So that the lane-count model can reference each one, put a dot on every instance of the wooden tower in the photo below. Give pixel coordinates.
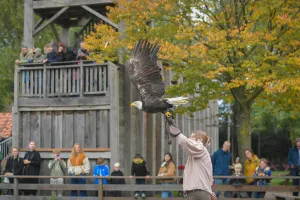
(60, 104)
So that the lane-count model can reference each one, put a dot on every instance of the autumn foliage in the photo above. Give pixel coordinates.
(235, 50)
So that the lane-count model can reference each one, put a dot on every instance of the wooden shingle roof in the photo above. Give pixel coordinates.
(5, 125)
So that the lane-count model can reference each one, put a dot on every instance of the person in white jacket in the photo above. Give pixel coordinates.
(198, 173)
(78, 165)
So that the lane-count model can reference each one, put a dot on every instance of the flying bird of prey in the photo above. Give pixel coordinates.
(146, 76)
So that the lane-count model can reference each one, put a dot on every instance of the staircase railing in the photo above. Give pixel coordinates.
(5, 147)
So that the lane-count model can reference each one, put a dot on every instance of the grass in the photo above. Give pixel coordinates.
(280, 181)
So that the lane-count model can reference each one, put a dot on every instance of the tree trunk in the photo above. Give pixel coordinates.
(243, 115)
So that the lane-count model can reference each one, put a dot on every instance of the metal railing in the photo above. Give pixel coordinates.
(131, 187)
(62, 79)
(5, 147)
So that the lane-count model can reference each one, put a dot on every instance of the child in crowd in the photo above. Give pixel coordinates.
(139, 168)
(57, 166)
(101, 169)
(237, 182)
(263, 170)
(117, 172)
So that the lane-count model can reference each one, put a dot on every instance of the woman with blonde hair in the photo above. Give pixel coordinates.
(78, 165)
(198, 173)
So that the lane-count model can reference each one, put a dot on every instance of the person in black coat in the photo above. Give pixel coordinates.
(32, 162)
(52, 56)
(117, 172)
(139, 168)
(14, 166)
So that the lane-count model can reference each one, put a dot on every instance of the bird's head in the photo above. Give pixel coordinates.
(137, 104)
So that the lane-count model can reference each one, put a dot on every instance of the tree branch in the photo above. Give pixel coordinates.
(255, 94)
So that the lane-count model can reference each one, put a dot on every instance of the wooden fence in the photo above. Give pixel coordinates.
(130, 187)
(62, 79)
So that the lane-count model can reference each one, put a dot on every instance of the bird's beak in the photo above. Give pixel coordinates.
(131, 104)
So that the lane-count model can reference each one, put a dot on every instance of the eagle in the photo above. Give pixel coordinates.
(145, 74)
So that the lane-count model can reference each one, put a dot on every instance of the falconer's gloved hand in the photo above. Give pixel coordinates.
(173, 130)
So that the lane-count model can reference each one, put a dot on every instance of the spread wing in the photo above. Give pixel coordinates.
(144, 72)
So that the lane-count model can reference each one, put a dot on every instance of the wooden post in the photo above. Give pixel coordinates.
(81, 85)
(65, 35)
(15, 109)
(44, 87)
(100, 189)
(113, 80)
(16, 191)
(28, 23)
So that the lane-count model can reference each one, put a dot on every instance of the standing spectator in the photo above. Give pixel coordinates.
(167, 169)
(294, 162)
(14, 166)
(82, 52)
(26, 56)
(117, 172)
(38, 57)
(139, 168)
(101, 169)
(221, 161)
(78, 165)
(61, 49)
(262, 170)
(32, 162)
(51, 56)
(57, 166)
(252, 161)
(198, 173)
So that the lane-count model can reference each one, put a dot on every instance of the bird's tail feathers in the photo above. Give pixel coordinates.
(176, 101)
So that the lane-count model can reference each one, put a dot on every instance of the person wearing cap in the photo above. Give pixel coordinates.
(294, 162)
(139, 168)
(263, 170)
(38, 57)
(117, 172)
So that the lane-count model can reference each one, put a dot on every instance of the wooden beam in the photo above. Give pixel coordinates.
(28, 24)
(39, 23)
(64, 102)
(68, 149)
(36, 31)
(101, 16)
(55, 32)
(42, 4)
(66, 155)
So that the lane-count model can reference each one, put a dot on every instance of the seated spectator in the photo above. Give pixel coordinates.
(57, 166)
(101, 169)
(52, 56)
(237, 182)
(263, 170)
(82, 52)
(117, 172)
(167, 169)
(14, 166)
(38, 57)
(26, 56)
(61, 51)
(139, 168)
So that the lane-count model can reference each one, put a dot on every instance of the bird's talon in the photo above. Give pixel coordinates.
(168, 114)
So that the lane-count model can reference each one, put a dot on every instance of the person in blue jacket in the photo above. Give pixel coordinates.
(101, 169)
(294, 162)
(221, 161)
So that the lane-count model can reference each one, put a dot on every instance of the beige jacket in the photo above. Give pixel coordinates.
(167, 169)
(198, 173)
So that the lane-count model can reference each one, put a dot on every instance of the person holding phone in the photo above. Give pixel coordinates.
(57, 166)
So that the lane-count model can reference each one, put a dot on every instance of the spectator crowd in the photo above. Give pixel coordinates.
(78, 164)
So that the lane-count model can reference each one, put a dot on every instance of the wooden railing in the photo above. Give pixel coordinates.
(130, 187)
(61, 79)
